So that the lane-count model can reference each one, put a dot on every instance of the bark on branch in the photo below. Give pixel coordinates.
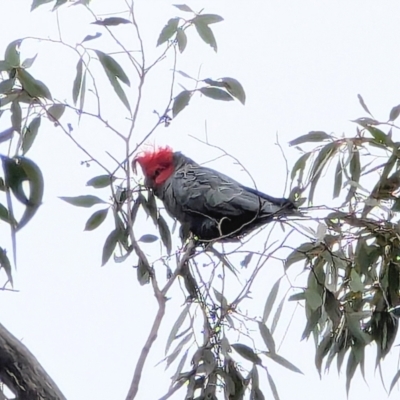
(22, 373)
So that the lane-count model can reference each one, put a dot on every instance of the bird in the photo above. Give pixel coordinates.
(207, 204)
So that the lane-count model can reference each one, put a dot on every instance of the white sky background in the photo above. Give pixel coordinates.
(302, 65)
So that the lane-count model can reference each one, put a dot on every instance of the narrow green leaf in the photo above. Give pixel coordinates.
(235, 88)
(55, 112)
(206, 34)
(37, 3)
(16, 116)
(112, 21)
(101, 181)
(394, 381)
(183, 7)
(299, 254)
(6, 135)
(247, 353)
(352, 364)
(29, 62)
(83, 93)
(143, 274)
(297, 297)
(338, 180)
(181, 38)
(175, 328)
(270, 300)
(313, 136)
(148, 238)
(12, 54)
(363, 105)
(83, 201)
(118, 89)
(378, 135)
(277, 315)
(77, 81)
(109, 246)
(207, 19)
(394, 113)
(180, 102)
(30, 134)
(300, 165)
(96, 219)
(6, 85)
(282, 361)
(112, 67)
(5, 263)
(216, 94)
(4, 214)
(164, 233)
(32, 86)
(168, 31)
(267, 337)
(87, 38)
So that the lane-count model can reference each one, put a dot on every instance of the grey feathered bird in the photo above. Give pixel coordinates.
(207, 203)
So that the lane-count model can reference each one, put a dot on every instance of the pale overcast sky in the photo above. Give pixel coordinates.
(302, 64)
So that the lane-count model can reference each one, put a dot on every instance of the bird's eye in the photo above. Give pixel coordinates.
(157, 172)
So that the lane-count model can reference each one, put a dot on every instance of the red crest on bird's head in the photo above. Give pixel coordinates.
(157, 164)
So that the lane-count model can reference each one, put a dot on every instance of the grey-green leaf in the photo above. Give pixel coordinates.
(247, 353)
(111, 66)
(32, 86)
(77, 81)
(101, 181)
(394, 113)
(267, 337)
(83, 201)
(37, 3)
(338, 180)
(12, 54)
(30, 134)
(148, 238)
(168, 31)
(235, 88)
(164, 233)
(271, 300)
(216, 94)
(313, 136)
(96, 219)
(206, 34)
(207, 19)
(6, 85)
(180, 102)
(112, 21)
(55, 112)
(183, 7)
(175, 328)
(181, 38)
(6, 135)
(109, 245)
(29, 62)
(16, 116)
(5, 263)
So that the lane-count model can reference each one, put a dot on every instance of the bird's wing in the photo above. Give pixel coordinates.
(206, 191)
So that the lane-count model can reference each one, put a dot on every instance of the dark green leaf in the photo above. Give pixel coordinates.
(143, 274)
(394, 113)
(112, 67)
(299, 254)
(6, 85)
(267, 337)
(87, 38)
(37, 3)
(207, 19)
(247, 353)
(148, 238)
(235, 88)
(168, 31)
(206, 34)
(109, 245)
(181, 38)
(312, 321)
(338, 180)
(216, 94)
(314, 136)
(277, 315)
(4, 214)
(16, 116)
(28, 62)
(32, 86)
(96, 219)
(180, 102)
(83, 201)
(30, 134)
(83, 93)
(270, 300)
(101, 181)
(164, 233)
(297, 297)
(78, 81)
(175, 328)
(55, 112)
(183, 7)
(118, 90)
(12, 55)
(378, 135)
(282, 361)
(5, 263)
(112, 21)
